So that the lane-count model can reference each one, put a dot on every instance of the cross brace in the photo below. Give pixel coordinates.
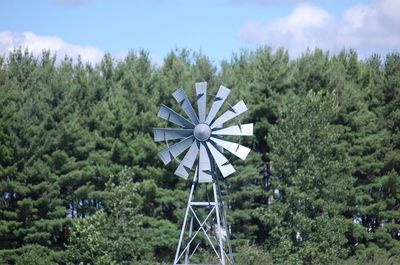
(219, 242)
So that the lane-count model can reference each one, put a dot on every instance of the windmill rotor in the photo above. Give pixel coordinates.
(201, 134)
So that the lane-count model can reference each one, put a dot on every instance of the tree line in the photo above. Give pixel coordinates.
(80, 181)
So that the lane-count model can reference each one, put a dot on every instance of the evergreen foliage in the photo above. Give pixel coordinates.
(80, 181)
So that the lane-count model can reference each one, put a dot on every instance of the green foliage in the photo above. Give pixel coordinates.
(320, 187)
(34, 255)
(310, 170)
(119, 233)
(111, 235)
(252, 255)
(373, 256)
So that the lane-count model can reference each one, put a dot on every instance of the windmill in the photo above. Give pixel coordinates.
(203, 136)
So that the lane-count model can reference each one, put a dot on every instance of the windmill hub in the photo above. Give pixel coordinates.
(202, 132)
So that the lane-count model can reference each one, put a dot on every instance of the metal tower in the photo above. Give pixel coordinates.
(205, 223)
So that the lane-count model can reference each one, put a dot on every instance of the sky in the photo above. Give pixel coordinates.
(216, 28)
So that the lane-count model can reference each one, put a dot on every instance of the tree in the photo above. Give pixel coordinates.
(109, 236)
(119, 233)
(306, 221)
(31, 211)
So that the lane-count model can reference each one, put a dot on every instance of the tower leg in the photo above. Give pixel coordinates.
(219, 228)
(225, 224)
(185, 219)
(190, 237)
(228, 240)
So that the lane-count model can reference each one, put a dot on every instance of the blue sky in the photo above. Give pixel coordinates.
(216, 28)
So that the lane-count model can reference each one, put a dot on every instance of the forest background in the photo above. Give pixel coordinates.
(80, 181)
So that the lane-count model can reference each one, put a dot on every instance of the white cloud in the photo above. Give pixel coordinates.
(156, 60)
(376, 25)
(368, 28)
(36, 44)
(306, 26)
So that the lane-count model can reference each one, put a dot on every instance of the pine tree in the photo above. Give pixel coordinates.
(312, 181)
(31, 210)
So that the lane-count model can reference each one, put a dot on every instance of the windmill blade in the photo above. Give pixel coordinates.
(187, 162)
(195, 174)
(170, 115)
(222, 162)
(240, 130)
(205, 173)
(175, 150)
(164, 134)
(201, 95)
(233, 112)
(219, 100)
(236, 149)
(182, 99)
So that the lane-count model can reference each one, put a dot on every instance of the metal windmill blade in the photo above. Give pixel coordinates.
(200, 138)
(201, 133)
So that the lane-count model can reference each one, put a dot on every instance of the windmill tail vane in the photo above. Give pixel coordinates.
(201, 135)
